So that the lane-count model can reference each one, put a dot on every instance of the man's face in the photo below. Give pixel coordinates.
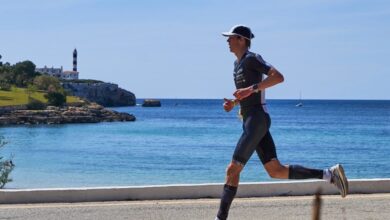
(235, 43)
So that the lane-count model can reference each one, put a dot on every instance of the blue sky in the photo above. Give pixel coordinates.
(174, 49)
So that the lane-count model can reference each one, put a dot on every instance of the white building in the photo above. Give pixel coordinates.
(57, 72)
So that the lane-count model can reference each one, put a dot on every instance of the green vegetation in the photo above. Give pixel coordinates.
(46, 83)
(21, 85)
(55, 98)
(6, 166)
(19, 96)
(21, 74)
(34, 104)
(83, 81)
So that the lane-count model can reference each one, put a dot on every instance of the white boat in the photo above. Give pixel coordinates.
(300, 103)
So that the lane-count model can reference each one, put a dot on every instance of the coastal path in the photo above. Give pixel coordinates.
(356, 206)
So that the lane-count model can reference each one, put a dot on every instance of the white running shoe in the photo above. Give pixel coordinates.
(339, 179)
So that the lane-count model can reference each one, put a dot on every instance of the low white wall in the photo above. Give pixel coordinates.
(262, 189)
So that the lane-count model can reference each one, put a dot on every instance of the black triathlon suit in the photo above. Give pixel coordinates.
(256, 120)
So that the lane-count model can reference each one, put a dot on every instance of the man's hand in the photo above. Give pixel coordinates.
(241, 94)
(228, 105)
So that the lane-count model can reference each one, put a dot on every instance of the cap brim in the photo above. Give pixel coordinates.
(228, 34)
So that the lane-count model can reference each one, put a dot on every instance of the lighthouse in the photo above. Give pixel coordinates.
(75, 60)
(58, 72)
(74, 74)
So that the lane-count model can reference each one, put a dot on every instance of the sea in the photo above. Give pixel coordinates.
(191, 141)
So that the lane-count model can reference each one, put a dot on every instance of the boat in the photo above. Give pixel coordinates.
(300, 103)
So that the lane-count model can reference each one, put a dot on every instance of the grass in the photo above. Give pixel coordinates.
(18, 96)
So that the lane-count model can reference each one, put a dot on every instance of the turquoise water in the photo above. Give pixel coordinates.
(191, 141)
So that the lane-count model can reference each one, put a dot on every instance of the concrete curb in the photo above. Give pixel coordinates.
(261, 189)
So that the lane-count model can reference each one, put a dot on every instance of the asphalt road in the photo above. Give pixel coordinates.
(370, 206)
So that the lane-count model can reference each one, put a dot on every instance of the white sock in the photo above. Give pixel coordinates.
(327, 175)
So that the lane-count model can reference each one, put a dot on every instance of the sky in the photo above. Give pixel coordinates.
(326, 49)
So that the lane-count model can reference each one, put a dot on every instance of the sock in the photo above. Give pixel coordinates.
(327, 175)
(300, 172)
(226, 200)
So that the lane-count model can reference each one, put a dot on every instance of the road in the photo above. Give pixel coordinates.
(370, 206)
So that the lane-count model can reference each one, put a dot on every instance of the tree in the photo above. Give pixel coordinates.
(21, 74)
(26, 67)
(21, 80)
(6, 166)
(55, 98)
(6, 74)
(5, 86)
(24, 73)
(6, 77)
(44, 82)
(30, 90)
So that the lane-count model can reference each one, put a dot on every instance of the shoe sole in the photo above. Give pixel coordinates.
(344, 181)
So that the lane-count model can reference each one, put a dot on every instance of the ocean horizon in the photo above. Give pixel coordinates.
(191, 141)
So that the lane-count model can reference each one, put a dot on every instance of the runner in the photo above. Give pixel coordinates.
(249, 71)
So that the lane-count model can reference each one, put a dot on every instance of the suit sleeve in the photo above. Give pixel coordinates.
(258, 64)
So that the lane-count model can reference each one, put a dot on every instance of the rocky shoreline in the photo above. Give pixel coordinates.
(90, 113)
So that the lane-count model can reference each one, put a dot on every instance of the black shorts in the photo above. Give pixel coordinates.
(255, 136)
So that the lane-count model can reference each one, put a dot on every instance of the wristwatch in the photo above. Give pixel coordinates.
(255, 88)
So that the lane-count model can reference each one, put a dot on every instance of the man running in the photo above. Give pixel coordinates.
(249, 71)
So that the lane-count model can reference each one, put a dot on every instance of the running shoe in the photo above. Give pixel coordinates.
(339, 179)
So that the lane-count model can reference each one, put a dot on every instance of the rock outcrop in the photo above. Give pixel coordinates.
(91, 113)
(151, 103)
(106, 94)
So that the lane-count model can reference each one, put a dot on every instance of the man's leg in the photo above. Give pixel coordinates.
(267, 153)
(334, 175)
(254, 127)
(229, 189)
(277, 170)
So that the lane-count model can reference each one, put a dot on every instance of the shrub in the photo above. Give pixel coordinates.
(6, 166)
(55, 98)
(5, 86)
(34, 104)
(43, 82)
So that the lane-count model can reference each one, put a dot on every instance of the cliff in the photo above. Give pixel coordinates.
(106, 94)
